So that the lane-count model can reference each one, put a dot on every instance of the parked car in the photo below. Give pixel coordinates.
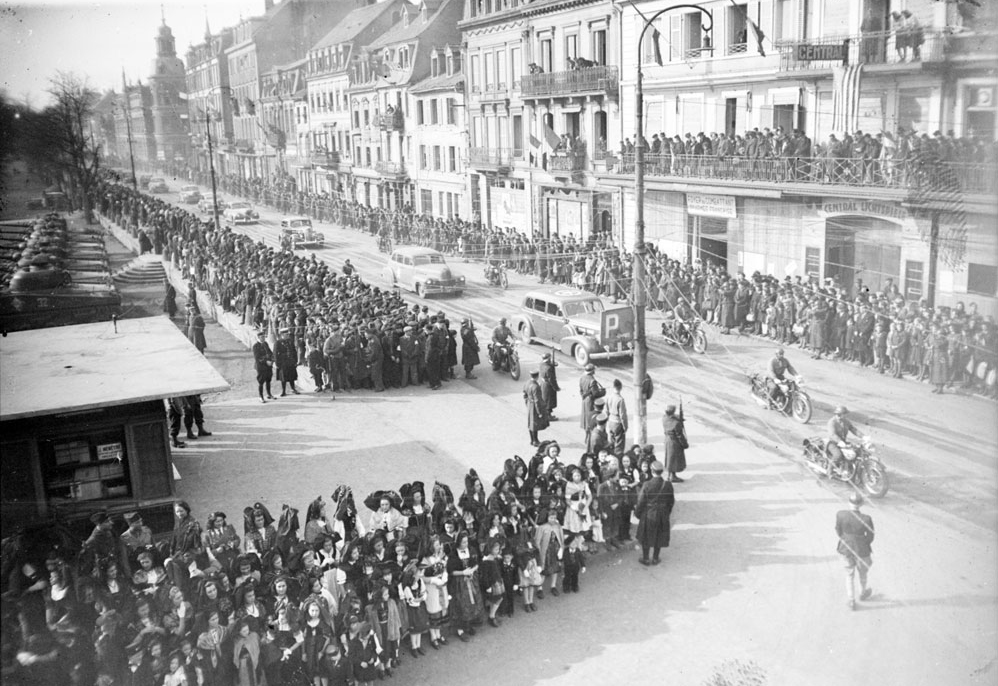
(190, 194)
(576, 322)
(240, 211)
(297, 232)
(421, 270)
(207, 201)
(158, 185)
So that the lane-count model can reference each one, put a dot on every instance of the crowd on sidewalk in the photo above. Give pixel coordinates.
(879, 329)
(342, 600)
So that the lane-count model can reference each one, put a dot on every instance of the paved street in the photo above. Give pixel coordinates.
(752, 579)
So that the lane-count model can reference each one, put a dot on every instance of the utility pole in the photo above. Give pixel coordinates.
(128, 128)
(211, 168)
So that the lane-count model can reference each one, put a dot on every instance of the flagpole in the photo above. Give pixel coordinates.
(638, 289)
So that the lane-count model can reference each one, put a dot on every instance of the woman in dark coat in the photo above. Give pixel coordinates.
(655, 502)
(728, 307)
(675, 443)
(195, 330)
(170, 301)
(819, 314)
(286, 359)
(469, 348)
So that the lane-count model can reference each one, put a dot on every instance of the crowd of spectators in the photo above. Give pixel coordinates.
(879, 329)
(342, 601)
(907, 159)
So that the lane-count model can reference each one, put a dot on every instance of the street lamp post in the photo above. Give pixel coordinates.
(211, 168)
(638, 275)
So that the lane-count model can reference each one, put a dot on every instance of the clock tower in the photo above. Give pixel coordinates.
(169, 110)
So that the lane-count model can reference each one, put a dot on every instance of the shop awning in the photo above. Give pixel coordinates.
(89, 366)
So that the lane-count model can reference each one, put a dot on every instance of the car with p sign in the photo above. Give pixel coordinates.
(576, 322)
(423, 271)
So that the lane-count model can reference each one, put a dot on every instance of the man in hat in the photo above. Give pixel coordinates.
(409, 355)
(263, 360)
(502, 338)
(549, 384)
(137, 535)
(286, 359)
(855, 532)
(589, 390)
(616, 410)
(779, 367)
(537, 412)
(436, 348)
(598, 438)
(332, 350)
(469, 348)
(655, 501)
(101, 541)
(675, 443)
(375, 357)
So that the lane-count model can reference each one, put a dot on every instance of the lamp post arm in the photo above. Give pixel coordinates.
(638, 275)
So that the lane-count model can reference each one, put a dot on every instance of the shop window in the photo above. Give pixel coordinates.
(89, 467)
(913, 273)
(812, 263)
(982, 279)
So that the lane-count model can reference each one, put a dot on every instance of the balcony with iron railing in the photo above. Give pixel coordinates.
(911, 176)
(319, 158)
(599, 80)
(870, 48)
(390, 121)
(564, 163)
(389, 168)
(492, 158)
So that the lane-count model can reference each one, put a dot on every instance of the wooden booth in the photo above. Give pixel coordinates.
(83, 423)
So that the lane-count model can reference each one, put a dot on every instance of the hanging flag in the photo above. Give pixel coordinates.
(845, 97)
(656, 42)
(534, 142)
(552, 138)
(756, 31)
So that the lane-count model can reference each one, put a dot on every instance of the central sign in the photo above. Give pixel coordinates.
(805, 52)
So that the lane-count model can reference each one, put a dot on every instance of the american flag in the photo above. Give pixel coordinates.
(845, 96)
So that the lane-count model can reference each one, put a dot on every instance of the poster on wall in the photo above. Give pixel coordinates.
(509, 207)
(570, 218)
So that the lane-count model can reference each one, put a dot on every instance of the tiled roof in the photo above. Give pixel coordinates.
(400, 32)
(353, 24)
(436, 83)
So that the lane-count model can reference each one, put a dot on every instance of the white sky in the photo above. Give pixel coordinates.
(96, 40)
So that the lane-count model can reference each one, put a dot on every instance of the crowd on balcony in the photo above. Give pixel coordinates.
(907, 159)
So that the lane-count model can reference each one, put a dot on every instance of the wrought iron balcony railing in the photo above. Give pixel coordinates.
(491, 157)
(392, 121)
(911, 175)
(872, 47)
(602, 79)
(389, 168)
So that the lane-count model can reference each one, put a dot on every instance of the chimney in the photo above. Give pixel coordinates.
(268, 5)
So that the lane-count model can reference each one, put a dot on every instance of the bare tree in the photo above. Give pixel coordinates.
(63, 131)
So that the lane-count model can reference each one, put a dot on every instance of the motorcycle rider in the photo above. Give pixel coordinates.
(675, 318)
(501, 338)
(779, 366)
(839, 428)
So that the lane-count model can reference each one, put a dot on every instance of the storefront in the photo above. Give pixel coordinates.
(83, 424)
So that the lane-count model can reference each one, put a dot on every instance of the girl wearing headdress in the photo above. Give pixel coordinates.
(437, 598)
(462, 567)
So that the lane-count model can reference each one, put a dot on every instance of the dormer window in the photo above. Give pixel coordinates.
(434, 68)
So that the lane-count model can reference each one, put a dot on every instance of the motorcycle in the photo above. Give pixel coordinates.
(496, 275)
(793, 398)
(505, 358)
(859, 465)
(685, 334)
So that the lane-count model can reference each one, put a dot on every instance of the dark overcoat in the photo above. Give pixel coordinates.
(655, 501)
(675, 439)
(537, 412)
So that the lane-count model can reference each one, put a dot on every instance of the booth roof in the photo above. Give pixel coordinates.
(89, 366)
